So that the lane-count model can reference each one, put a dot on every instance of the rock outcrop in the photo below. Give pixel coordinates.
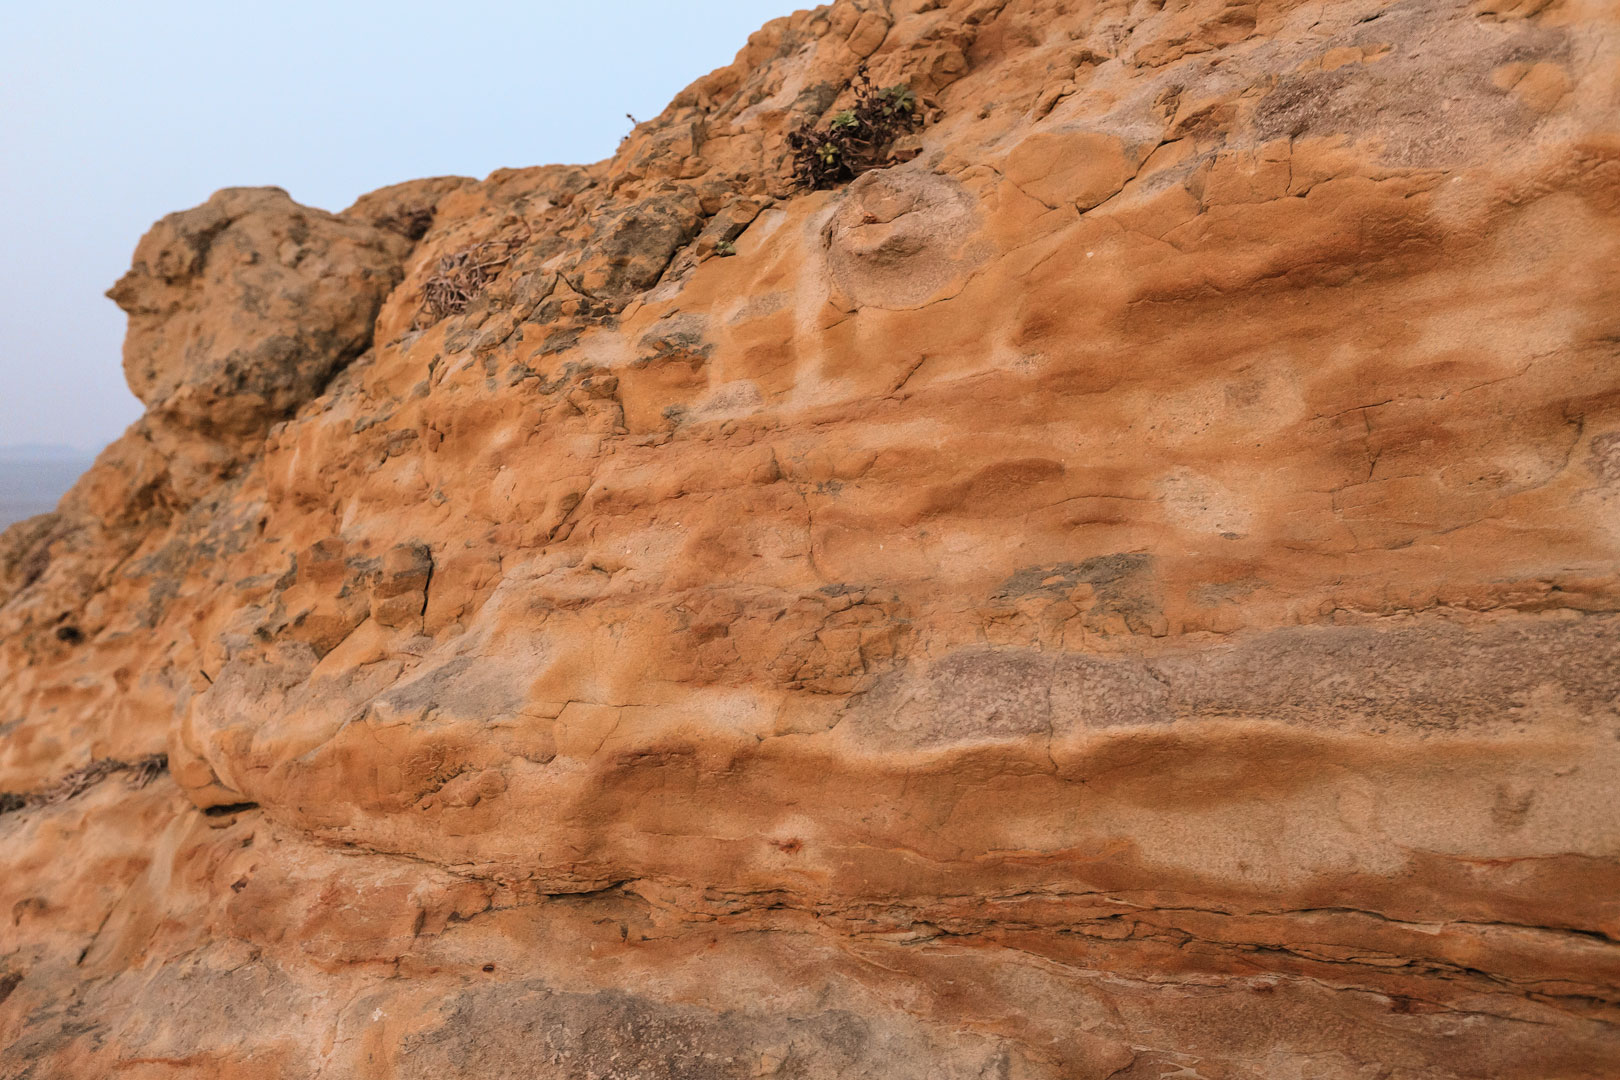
(1128, 591)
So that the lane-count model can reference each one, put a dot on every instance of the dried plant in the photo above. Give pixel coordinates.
(856, 139)
(140, 772)
(144, 770)
(78, 781)
(460, 278)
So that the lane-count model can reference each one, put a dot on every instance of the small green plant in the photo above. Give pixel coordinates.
(855, 139)
(725, 248)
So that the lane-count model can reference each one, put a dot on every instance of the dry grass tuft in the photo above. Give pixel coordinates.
(140, 772)
(460, 278)
(144, 770)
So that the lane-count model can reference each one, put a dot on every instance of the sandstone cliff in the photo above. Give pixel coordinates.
(1128, 591)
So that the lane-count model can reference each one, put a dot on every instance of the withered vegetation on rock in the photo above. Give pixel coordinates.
(1128, 591)
(461, 277)
(139, 773)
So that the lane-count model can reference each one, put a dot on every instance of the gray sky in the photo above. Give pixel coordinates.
(114, 114)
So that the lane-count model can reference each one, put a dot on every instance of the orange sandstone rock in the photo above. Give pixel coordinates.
(1128, 591)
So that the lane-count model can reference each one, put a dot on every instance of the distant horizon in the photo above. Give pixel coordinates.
(37, 451)
(322, 102)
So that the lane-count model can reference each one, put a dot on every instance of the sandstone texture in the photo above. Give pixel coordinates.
(1128, 591)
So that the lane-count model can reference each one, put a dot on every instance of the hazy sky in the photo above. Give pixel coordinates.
(114, 114)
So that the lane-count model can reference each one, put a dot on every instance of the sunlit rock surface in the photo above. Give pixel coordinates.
(1128, 592)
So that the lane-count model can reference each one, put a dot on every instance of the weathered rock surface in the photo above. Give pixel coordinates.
(1129, 592)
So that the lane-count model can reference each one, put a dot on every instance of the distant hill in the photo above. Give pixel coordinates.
(44, 452)
(33, 476)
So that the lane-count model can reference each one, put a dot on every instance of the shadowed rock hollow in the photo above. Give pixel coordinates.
(1129, 591)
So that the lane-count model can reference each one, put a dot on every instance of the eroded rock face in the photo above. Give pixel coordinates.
(900, 237)
(1129, 592)
(242, 308)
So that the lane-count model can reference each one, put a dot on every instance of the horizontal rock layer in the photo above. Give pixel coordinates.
(1127, 591)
